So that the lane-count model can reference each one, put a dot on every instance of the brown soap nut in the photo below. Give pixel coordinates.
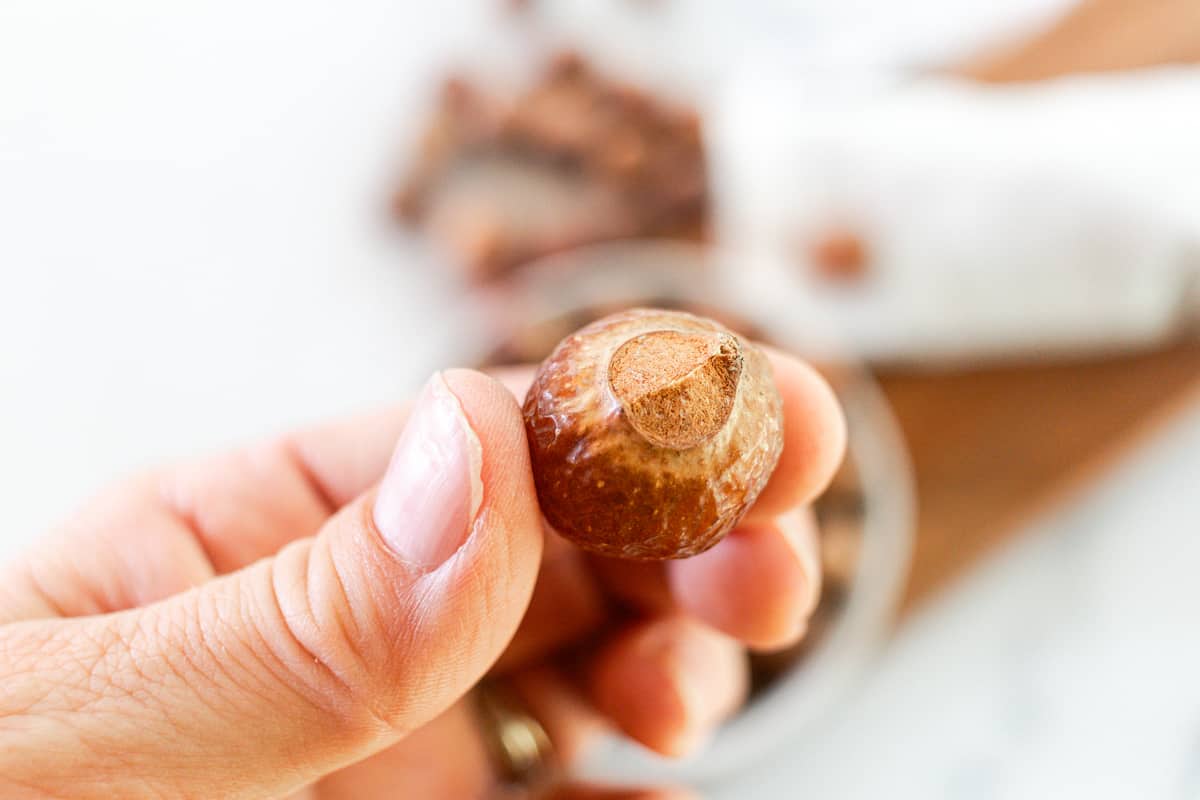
(840, 255)
(632, 164)
(651, 433)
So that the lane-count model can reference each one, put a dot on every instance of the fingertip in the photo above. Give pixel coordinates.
(495, 419)
(492, 410)
(668, 682)
(454, 605)
(814, 432)
(759, 585)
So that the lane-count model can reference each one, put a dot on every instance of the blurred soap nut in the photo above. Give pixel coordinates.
(651, 433)
(838, 255)
(575, 158)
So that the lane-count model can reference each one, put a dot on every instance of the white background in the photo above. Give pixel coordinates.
(193, 232)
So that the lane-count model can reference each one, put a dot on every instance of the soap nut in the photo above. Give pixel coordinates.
(651, 433)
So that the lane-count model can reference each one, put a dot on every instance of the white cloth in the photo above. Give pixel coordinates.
(999, 220)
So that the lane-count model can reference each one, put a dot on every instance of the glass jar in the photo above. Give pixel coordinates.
(864, 517)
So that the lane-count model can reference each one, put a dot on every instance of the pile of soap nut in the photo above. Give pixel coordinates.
(576, 158)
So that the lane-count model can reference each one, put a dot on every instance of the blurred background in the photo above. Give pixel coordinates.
(980, 220)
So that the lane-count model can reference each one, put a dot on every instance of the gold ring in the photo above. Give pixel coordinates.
(518, 744)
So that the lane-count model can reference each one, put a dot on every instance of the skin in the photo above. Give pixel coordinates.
(230, 627)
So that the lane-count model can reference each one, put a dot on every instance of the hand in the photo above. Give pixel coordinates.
(282, 619)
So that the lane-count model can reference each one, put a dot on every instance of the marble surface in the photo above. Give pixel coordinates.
(1067, 666)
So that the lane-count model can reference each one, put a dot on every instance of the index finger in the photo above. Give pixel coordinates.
(814, 438)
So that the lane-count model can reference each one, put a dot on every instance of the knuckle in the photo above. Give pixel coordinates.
(323, 642)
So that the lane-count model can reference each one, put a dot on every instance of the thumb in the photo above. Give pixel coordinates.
(266, 679)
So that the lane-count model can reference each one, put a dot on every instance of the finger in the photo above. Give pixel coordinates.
(338, 460)
(814, 443)
(161, 533)
(421, 766)
(346, 457)
(759, 585)
(575, 597)
(300, 664)
(639, 586)
(570, 721)
(567, 606)
(122, 550)
(668, 682)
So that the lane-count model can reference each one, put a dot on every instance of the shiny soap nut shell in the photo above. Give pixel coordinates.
(651, 433)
